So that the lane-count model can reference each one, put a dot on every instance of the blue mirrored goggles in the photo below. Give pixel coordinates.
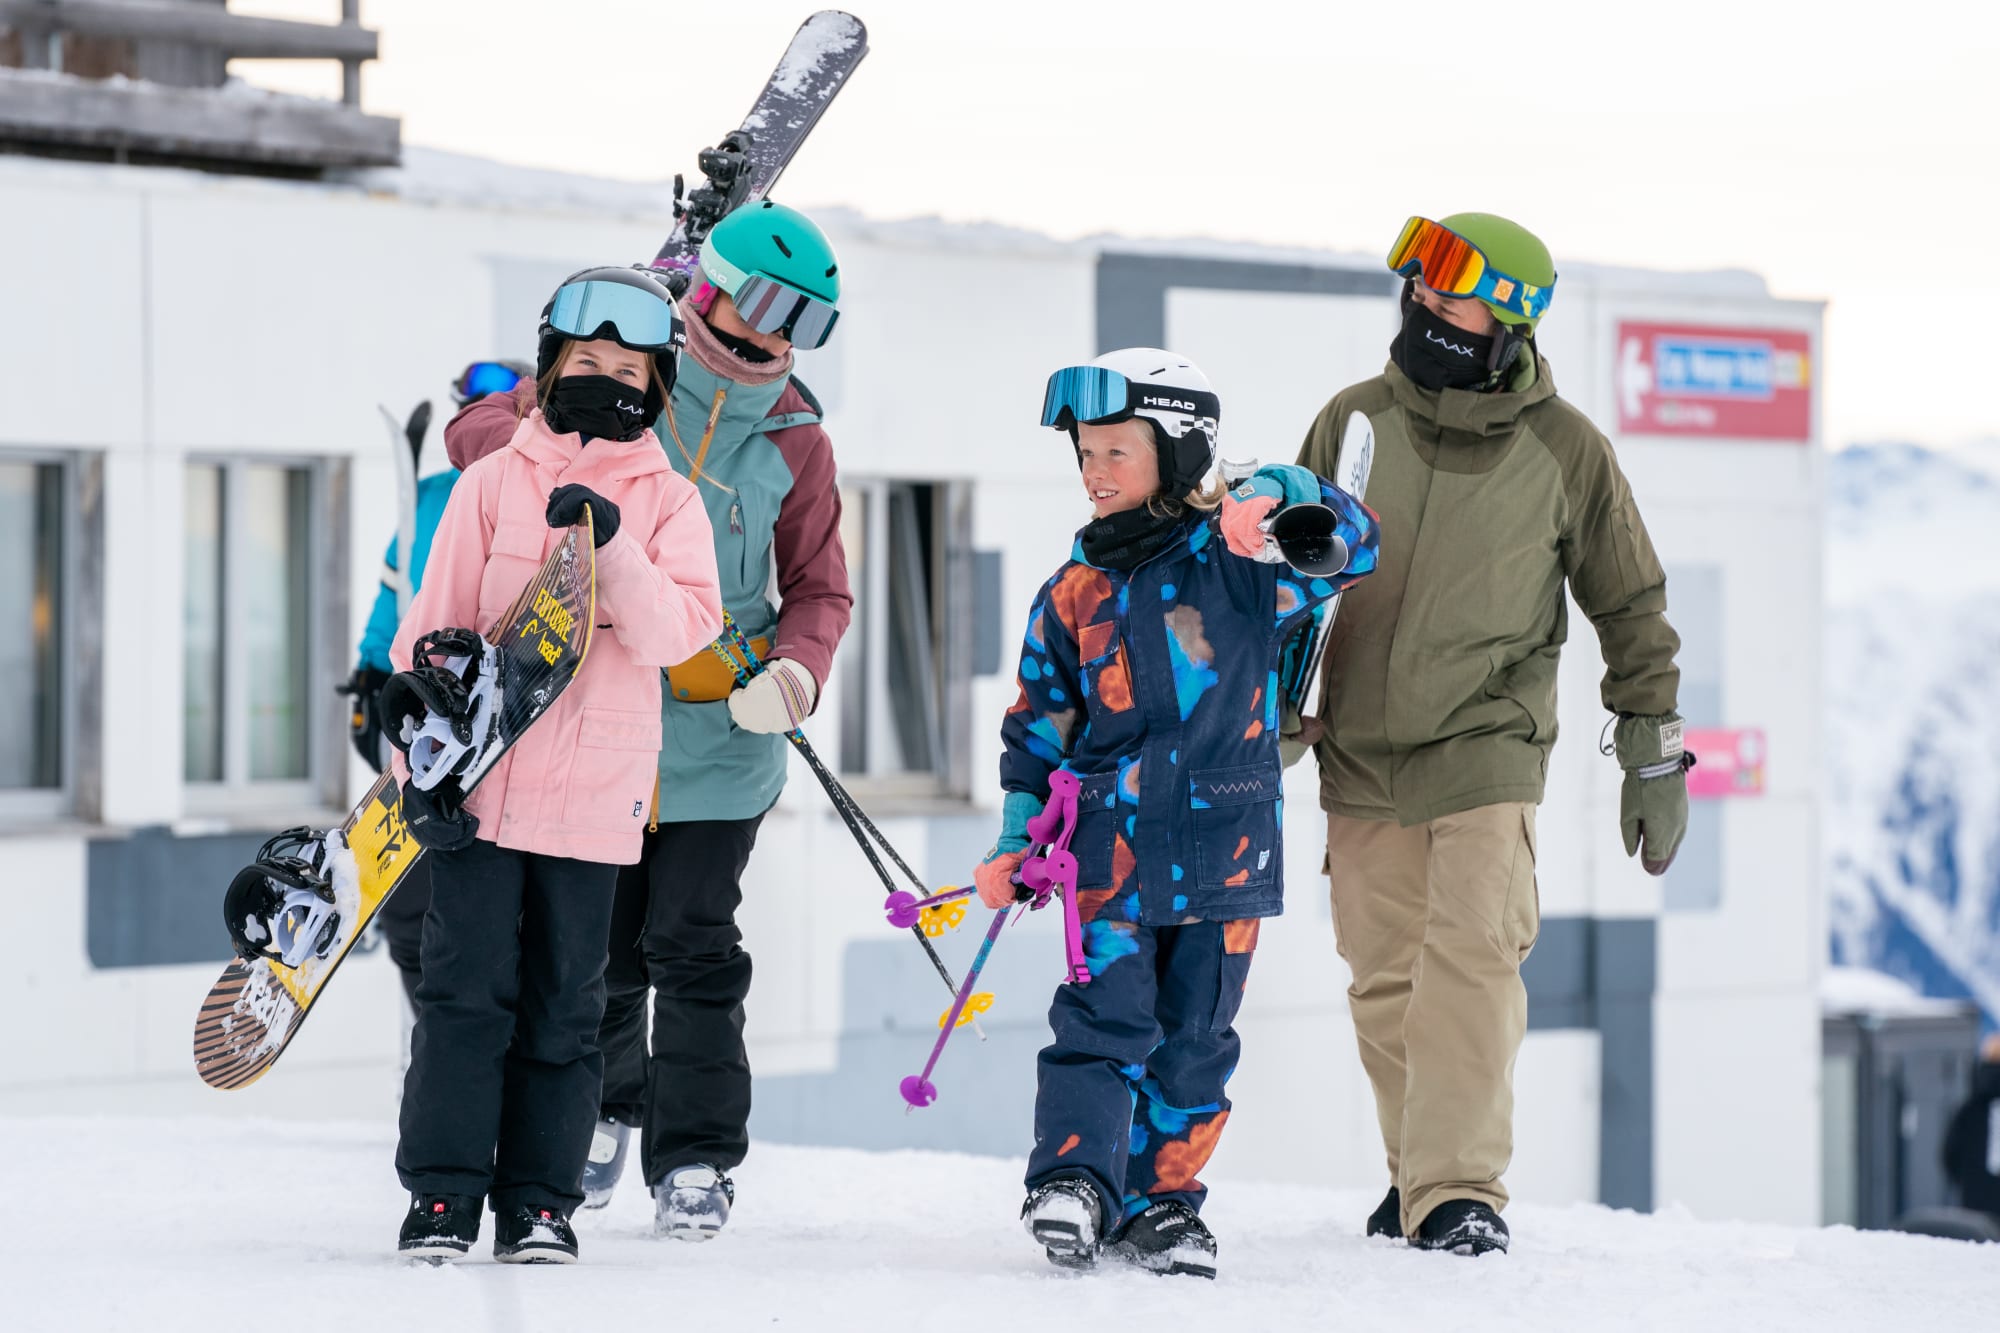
(484, 377)
(1083, 394)
(770, 306)
(636, 318)
(1089, 394)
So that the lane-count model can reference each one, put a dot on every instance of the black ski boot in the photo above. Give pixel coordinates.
(605, 1163)
(439, 1227)
(1387, 1219)
(1168, 1238)
(528, 1234)
(692, 1202)
(1066, 1216)
(1462, 1226)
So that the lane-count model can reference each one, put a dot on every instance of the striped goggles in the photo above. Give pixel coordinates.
(1454, 266)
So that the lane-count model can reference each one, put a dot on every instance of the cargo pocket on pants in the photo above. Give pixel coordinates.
(1239, 947)
(1524, 895)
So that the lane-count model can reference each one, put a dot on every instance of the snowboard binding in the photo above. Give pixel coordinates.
(281, 906)
(443, 713)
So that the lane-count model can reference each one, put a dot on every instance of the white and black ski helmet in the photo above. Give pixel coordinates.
(1164, 388)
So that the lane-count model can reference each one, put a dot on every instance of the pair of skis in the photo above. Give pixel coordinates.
(741, 169)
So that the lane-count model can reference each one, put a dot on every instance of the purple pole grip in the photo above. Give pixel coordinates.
(903, 907)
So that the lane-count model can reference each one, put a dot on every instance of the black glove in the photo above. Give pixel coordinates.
(566, 506)
(364, 724)
(436, 820)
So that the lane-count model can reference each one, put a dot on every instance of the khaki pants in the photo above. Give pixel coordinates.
(1435, 921)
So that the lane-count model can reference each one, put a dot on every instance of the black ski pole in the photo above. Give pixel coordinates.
(842, 800)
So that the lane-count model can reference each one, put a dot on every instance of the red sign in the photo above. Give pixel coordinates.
(1728, 761)
(1682, 379)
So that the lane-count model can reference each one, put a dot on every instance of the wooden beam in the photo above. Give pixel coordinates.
(235, 35)
(193, 122)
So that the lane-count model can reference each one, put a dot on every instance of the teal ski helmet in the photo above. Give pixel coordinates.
(778, 268)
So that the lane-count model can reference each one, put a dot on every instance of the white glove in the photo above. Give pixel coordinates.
(778, 698)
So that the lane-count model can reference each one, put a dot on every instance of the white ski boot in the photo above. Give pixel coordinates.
(692, 1202)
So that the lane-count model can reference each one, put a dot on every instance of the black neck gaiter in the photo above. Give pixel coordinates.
(597, 405)
(741, 348)
(1437, 355)
(1126, 540)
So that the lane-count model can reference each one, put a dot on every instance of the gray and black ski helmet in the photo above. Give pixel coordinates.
(625, 304)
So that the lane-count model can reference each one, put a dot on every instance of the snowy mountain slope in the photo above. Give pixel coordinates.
(1913, 718)
(159, 1226)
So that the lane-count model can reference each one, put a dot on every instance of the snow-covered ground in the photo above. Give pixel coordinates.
(155, 1226)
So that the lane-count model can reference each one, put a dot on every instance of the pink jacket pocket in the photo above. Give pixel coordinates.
(610, 786)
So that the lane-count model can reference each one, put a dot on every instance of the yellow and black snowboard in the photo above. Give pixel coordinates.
(253, 1010)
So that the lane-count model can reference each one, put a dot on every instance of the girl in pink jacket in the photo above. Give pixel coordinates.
(501, 1095)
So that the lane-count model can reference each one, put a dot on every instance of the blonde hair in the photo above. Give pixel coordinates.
(1206, 497)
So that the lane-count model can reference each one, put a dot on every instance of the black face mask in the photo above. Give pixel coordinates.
(1437, 355)
(598, 405)
(741, 348)
(1128, 539)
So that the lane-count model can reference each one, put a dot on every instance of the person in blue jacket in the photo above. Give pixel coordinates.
(1150, 671)
(402, 917)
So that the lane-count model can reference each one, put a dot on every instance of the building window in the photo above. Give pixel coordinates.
(904, 669)
(248, 622)
(35, 760)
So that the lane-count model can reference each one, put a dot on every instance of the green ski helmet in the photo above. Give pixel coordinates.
(1514, 250)
(778, 267)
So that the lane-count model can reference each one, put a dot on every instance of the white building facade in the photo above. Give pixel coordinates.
(197, 488)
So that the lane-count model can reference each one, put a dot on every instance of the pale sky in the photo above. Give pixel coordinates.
(1823, 146)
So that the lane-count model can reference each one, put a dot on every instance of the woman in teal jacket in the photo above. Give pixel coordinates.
(747, 434)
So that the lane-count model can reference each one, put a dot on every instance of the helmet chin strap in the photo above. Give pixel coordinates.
(1507, 348)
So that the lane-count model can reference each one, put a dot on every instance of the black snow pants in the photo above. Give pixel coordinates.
(502, 1090)
(674, 931)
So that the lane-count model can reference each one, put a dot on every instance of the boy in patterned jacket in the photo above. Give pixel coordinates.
(1150, 670)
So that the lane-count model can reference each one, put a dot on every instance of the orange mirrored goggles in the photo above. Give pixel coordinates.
(1450, 264)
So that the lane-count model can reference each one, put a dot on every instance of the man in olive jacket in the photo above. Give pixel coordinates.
(1440, 704)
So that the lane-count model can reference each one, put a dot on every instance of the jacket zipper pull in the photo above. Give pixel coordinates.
(736, 518)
